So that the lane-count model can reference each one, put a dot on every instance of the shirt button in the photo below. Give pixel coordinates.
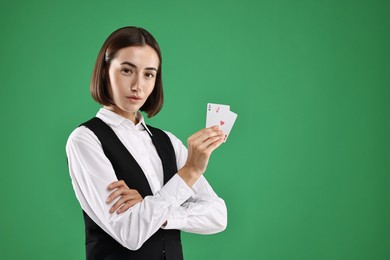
(182, 191)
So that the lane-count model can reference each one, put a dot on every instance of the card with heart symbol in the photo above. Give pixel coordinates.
(220, 115)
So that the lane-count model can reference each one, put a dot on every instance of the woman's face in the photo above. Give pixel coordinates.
(132, 75)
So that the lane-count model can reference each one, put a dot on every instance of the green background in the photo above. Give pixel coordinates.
(305, 171)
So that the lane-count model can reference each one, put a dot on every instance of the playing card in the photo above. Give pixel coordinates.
(226, 123)
(220, 115)
(213, 113)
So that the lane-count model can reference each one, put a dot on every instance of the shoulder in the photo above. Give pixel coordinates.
(82, 135)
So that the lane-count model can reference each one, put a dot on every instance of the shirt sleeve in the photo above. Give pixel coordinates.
(91, 172)
(204, 212)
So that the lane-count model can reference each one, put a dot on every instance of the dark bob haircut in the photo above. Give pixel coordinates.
(119, 39)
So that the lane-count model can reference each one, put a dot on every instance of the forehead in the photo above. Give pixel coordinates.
(141, 56)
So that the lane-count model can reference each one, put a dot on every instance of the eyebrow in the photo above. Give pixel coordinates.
(134, 66)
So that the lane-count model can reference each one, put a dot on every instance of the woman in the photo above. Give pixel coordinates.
(139, 186)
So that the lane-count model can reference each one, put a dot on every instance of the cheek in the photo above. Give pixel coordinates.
(115, 84)
(150, 88)
(152, 85)
(111, 82)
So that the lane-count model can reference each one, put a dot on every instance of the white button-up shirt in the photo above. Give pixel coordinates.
(197, 209)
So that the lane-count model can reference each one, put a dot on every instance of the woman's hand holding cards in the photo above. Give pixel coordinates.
(200, 146)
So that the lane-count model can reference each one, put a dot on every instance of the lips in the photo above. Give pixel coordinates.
(134, 98)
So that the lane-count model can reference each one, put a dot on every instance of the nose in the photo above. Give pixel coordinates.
(136, 83)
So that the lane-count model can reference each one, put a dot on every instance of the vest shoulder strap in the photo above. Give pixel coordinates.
(165, 151)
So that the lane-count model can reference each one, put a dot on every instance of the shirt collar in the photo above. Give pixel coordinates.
(114, 119)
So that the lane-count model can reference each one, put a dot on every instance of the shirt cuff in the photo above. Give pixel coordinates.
(177, 219)
(176, 191)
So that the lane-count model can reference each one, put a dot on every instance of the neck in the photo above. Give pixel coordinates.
(132, 116)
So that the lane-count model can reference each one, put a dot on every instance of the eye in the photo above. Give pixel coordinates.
(126, 71)
(149, 75)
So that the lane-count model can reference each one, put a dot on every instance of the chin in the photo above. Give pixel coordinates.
(126, 109)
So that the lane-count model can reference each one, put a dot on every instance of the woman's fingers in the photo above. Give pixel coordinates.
(205, 141)
(116, 193)
(128, 204)
(126, 201)
(204, 134)
(213, 143)
(127, 197)
(117, 184)
(210, 140)
(204, 138)
(201, 132)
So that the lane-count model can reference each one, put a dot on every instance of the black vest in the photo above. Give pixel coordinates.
(164, 244)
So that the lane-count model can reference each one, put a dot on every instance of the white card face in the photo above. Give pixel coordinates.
(220, 115)
(226, 123)
(214, 112)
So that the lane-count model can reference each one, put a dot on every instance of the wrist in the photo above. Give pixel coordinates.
(189, 175)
